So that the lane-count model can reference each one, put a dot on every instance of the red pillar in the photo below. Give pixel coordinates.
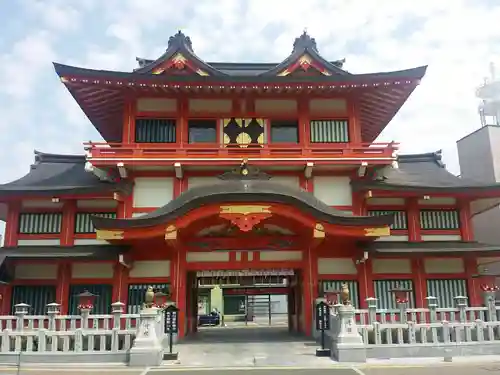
(354, 124)
(68, 223)
(470, 263)
(419, 282)
(181, 289)
(466, 230)
(12, 224)
(62, 289)
(307, 290)
(120, 283)
(413, 220)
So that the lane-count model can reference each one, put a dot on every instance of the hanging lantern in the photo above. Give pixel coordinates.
(86, 300)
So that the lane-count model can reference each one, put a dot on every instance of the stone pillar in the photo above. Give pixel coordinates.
(147, 349)
(489, 302)
(348, 345)
(21, 310)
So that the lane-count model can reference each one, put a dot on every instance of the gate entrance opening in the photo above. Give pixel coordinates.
(224, 299)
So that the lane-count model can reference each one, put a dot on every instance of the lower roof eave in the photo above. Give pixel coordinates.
(95, 252)
(493, 190)
(395, 247)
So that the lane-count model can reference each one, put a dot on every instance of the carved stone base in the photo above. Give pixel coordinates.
(143, 357)
(349, 353)
(147, 349)
(348, 346)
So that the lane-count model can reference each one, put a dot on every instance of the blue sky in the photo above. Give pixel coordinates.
(457, 39)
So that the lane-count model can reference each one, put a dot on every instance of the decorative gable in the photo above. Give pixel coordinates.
(178, 64)
(306, 60)
(179, 58)
(306, 64)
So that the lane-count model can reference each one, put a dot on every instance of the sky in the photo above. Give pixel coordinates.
(457, 39)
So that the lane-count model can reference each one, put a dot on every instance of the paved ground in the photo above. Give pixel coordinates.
(249, 346)
(459, 368)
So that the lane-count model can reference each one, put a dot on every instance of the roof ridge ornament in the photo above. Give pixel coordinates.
(304, 42)
(244, 172)
(180, 40)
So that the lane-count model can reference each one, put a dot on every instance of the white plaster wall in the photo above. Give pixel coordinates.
(391, 266)
(211, 256)
(45, 242)
(386, 201)
(36, 271)
(216, 106)
(286, 180)
(333, 266)
(97, 203)
(269, 256)
(153, 191)
(150, 268)
(325, 106)
(41, 203)
(437, 201)
(92, 270)
(276, 106)
(392, 238)
(156, 105)
(444, 265)
(202, 181)
(443, 237)
(333, 190)
(90, 241)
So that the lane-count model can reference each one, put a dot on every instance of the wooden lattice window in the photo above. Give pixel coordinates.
(329, 131)
(400, 218)
(40, 223)
(439, 220)
(83, 222)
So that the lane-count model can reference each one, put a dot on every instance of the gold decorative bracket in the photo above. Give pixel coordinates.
(102, 234)
(245, 210)
(319, 231)
(171, 233)
(377, 232)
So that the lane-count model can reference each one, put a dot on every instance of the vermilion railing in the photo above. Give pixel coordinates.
(174, 150)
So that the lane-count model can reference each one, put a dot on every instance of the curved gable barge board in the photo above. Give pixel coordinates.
(305, 45)
(243, 192)
(177, 44)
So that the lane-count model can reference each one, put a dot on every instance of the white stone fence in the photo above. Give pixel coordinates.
(416, 332)
(66, 338)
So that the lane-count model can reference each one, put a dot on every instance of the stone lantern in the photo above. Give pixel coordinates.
(489, 293)
(86, 300)
(401, 295)
(161, 299)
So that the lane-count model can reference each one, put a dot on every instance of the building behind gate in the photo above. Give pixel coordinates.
(225, 184)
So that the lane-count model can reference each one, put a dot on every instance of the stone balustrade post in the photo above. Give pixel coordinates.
(53, 309)
(402, 306)
(432, 306)
(21, 310)
(372, 309)
(461, 303)
(117, 311)
(147, 349)
(489, 297)
(85, 318)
